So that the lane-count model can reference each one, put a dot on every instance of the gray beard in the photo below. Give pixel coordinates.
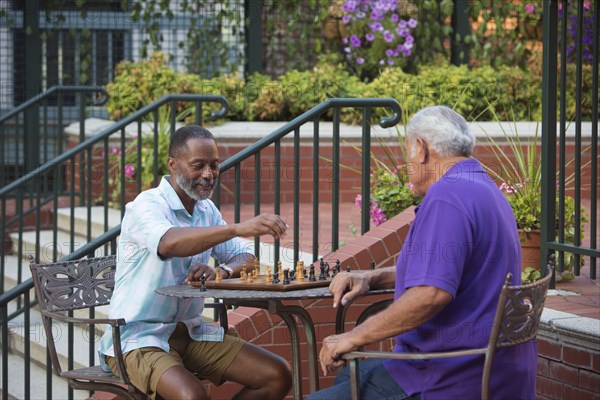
(189, 185)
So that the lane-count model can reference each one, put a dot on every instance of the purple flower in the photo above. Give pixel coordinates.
(345, 40)
(347, 50)
(389, 52)
(376, 16)
(394, 17)
(346, 19)
(375, 26)
(360, 15)
(407, 52)
(403, 32)
(412, 23)
(409, 39)
(370, 37)
(402, 24)
(388, 36)
(354, 41)
(349, 5)
(129, 170)
(391, 62)
(360, 60)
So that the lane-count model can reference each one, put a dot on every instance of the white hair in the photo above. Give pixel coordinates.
(446, 131)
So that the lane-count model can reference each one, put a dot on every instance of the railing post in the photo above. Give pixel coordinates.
(549, 97)
(33, 83)
(253, 10)
(461, 28)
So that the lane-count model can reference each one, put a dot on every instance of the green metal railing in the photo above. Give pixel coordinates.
(292, 128)
(555, 158)
(32, 133)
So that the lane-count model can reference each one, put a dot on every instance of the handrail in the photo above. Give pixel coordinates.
(56, 89)
(310, 116)
(112, 129)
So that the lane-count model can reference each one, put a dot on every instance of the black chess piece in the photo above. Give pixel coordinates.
(347, 268)
(286, 276)
(276, 276)
(312, 276)
(338, 266)
(334, 272)
(292, 275)
(322, 275)
(372, 265)
(327, 269)
(203, 283)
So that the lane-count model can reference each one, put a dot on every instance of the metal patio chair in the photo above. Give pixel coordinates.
(62, 288)
(516, 321)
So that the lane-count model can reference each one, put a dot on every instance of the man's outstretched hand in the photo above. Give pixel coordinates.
(263, 224)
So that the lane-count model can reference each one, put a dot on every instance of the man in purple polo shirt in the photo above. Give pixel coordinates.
(458, 251)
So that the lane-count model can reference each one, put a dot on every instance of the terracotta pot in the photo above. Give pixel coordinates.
(530, 248)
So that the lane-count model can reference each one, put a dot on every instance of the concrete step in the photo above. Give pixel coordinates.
(38, 382)
(47, 244)
(80, 217)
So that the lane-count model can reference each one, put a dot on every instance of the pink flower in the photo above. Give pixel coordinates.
(530, 8)
(116, 151)
(129, 170)
(358, 201)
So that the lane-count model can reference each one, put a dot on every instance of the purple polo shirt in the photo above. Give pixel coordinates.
(463, 240)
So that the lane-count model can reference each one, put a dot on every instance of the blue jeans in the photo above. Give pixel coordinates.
(375, 384)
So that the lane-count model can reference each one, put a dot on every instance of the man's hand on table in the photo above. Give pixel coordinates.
(345, 287)
(196, 272)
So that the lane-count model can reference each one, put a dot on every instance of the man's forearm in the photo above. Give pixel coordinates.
(382, 278)
(415, 307)
(186, 242)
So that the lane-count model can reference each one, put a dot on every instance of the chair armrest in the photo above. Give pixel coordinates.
(411, 356)
(87, 321)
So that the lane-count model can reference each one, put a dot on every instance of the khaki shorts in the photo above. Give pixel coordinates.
(209, 360)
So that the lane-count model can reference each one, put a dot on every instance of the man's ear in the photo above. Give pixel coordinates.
(422, 151)
(171, 165)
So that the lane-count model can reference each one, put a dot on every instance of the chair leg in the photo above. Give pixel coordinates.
(354, 382)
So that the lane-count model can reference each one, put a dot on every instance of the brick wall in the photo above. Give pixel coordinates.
(349, 178)
(568, 365)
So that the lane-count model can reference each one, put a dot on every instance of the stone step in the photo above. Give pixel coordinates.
(47, 244)
(80, 217)
(38, 382)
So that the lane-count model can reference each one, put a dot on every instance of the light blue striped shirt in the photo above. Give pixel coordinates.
(151, 318)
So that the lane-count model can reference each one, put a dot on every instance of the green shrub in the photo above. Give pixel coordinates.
(477, 93)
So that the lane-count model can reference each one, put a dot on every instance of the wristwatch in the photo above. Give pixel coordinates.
(226, 268)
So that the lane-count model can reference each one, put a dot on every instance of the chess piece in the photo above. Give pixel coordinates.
(334, 272)
(268, 276)
(281, 274)
(276, 273)
(256, 267)
(286, 277)
(244, 273)
(218, 275)
(311, 276)
(203, 283)
(372, 265)
(300, 271)
(327, 269)
(338, 266)
(347, 268)
(322, 275)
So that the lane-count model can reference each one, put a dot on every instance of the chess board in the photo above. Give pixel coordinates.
(260, 283)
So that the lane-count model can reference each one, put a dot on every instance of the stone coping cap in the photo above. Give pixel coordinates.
(559, 321)
(229, 131)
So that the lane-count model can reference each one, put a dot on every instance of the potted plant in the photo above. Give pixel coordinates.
(517, 166)
(530, 15)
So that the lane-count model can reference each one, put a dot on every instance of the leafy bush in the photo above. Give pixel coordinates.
(477, 93)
